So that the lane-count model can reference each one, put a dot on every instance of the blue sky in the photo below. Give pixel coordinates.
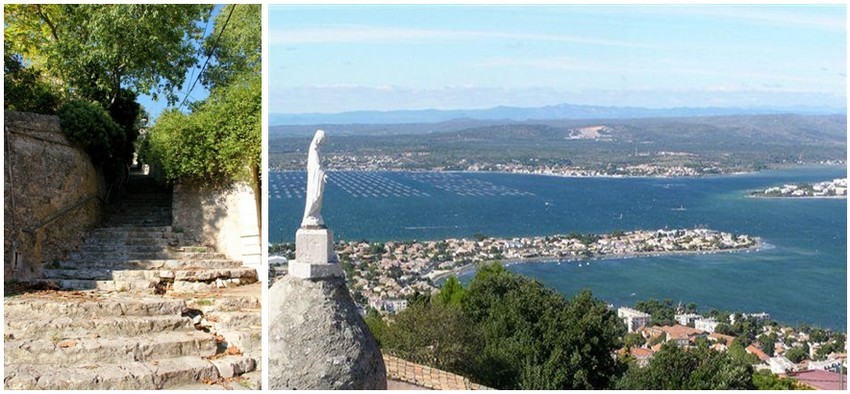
(155, 107)
(341, 58)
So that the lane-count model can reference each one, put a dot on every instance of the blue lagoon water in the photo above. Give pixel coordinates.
(800, 277)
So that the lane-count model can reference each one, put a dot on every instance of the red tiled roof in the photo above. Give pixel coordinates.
(640, 352)
(752, 349)
(820, 380)
(680, 332)
(726, 339)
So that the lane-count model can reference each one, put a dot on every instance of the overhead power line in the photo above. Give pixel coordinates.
(209, 55)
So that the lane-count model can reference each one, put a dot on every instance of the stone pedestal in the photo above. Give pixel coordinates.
(314, 255)
(318, 341)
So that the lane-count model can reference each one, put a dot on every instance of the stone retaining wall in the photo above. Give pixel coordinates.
(225, 219)
(44, 174)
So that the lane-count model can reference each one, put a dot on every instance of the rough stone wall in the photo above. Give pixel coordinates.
(225, 219)
(44, 174)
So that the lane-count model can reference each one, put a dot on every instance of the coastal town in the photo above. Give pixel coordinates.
(408, 162)
(836, 188)
(384, 275)
(418, 161)
(812, 357)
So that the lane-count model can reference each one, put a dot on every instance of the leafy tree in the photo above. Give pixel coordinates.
(25, 88)
(766, 380)
(89, 125)
(377, 325)
(633, 340)
(236, 47)
(534, 339)
(432, 334)
(796, 354)
(663, 312)
(767, 342)
(673, 368)
(95, 50)
(451, 293)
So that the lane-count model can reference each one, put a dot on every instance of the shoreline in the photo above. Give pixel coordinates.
(799, 197)
(607, 176)
(759, 245)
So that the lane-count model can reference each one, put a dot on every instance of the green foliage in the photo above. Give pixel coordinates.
(767, 342)
(432, 334)
(377, 325)
(673, 368)
(509, 332)
(239, 50)
(218, 143)
(737, 350)
(534, 339)
(95, 50)
(89, 125)
(451, 293)
(663, 313)
(766, 380)
(796, 354)
(25, 89)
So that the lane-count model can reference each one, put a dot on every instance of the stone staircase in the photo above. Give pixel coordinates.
(137, 308)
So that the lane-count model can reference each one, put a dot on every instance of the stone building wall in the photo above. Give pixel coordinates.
(225, 219)
(44, 175)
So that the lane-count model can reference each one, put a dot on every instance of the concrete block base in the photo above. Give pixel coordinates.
(314, 254)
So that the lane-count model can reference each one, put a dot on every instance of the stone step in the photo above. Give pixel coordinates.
(137, 286)
(92, 307)
(118, 264)
(94, 248)
(191, 274)
(139, 231)
(160, 374)
(206, 275)
(236, 319)
(169, 255)
(152, 222)
(248, 340)
(128, 241)
(109, 350)
(69, 327)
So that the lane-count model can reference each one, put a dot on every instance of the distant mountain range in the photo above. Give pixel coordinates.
(561, 111)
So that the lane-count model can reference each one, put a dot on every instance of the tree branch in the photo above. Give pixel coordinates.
(44, 17)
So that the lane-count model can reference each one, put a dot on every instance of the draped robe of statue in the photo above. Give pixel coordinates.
(315, 184)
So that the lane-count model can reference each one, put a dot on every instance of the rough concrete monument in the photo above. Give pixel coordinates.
(317, 338)
(314, 253)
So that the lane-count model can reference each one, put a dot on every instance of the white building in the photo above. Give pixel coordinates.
(707, 325)
(781, 365)
(395, 306)
(633, 319)
(686, 319)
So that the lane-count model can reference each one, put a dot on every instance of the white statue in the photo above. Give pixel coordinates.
(316, 179)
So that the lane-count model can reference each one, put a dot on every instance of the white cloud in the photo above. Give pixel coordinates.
(341, 34)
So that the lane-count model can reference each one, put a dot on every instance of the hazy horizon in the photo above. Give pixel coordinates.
(333, 59)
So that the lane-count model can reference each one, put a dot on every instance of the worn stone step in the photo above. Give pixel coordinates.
(127, 241)
(159, 374)
(228, 303)
(169, 255)
(205, 275)
(102, 274)
(128, 230)
(248, 340)
(112, 326)
(150, 264)
(92, 307)
(109, 350)
(235, 319)
(138, 286)
(94, 248)
(182, 286)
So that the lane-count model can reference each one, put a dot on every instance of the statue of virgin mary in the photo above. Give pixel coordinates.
(316, 179)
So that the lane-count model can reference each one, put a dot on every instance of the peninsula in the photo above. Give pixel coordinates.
(380, 274)
(836, 188)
